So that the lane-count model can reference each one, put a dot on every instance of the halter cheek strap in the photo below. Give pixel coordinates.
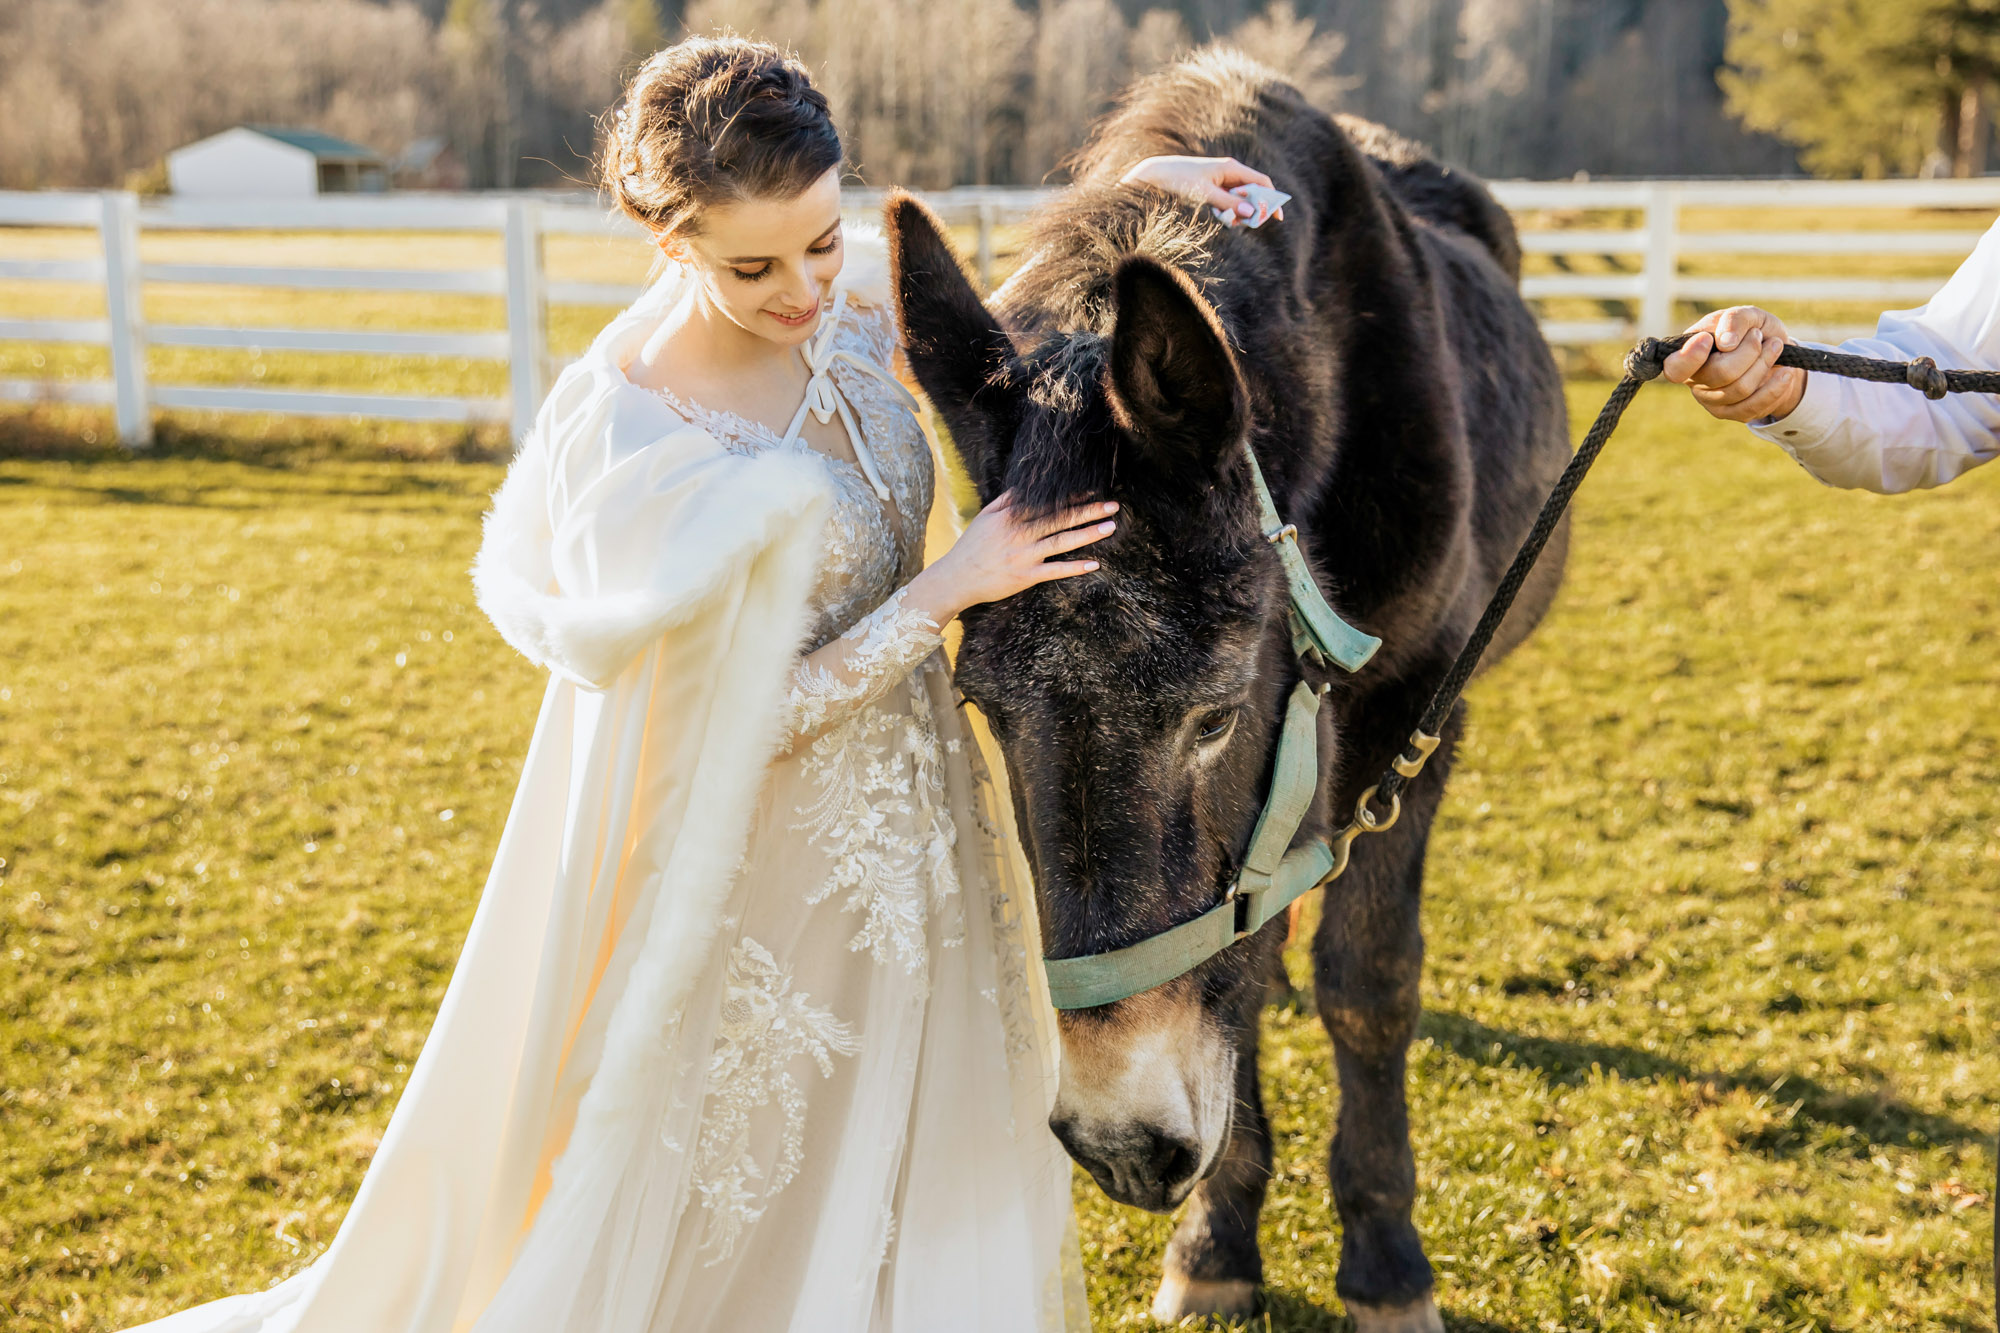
(1274, 873)
(823, 397)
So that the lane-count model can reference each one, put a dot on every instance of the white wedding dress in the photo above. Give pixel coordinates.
(839, 1125)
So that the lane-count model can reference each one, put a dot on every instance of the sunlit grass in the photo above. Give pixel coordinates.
(1713, 1033)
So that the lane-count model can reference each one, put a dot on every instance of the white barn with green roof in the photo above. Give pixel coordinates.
(269, 160)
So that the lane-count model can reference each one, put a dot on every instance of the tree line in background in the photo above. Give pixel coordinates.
(97, 92)
(938, 92)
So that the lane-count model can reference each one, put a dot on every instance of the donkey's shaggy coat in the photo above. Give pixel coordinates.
(1373, 351)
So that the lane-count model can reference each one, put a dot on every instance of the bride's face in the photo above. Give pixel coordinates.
(766, 264)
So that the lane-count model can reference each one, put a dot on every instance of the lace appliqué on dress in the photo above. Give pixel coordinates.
(871, 762)
(765, 1026)
(878, 650)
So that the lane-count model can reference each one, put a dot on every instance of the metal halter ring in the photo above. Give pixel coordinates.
(1365, 820)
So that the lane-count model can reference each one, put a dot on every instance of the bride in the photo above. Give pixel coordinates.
(746, 1033)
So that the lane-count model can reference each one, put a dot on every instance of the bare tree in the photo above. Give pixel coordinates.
(923, 89)
(1079, 65)
(92, 92)
(1158, 38)
(1296, 48)
(927, 92)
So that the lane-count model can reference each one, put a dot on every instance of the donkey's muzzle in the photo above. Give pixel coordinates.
(1135, 1164)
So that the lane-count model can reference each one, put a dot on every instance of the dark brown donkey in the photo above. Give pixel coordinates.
(1372, 349)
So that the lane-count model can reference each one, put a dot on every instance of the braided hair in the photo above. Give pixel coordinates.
(714, 120)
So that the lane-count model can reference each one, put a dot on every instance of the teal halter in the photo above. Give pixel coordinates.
(1273, 877)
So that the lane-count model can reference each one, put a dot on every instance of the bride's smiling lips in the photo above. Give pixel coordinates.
(794, 321)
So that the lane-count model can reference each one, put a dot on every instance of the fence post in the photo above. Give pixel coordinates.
(985, 251)
(1663, 225)
(527, 311)
(118, 230)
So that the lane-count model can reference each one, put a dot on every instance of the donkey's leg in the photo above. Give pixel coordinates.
(1367, 957)
(1212, 1264)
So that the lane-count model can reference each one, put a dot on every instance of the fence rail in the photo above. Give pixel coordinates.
(1645, 295)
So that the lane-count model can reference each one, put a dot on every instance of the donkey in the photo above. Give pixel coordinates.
(1373, 350)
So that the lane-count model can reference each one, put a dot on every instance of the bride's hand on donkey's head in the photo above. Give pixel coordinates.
(1208, 180)
(1004, 550)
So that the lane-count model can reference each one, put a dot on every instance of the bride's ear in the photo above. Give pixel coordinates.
(671, 245)
(955, 347)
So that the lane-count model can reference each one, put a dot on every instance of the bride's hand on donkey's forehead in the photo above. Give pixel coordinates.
(1005, 550)
(1072, 518)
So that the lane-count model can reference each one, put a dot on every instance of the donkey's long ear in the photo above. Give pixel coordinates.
(956, 349)
(1173, 380)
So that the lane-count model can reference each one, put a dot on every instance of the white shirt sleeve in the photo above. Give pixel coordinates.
(1889, 437)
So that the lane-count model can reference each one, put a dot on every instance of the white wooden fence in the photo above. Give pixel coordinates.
(1648, 290)
(1660, 241)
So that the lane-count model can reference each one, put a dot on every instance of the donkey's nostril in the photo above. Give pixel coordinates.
(1103, 1166)
(1174, 1161)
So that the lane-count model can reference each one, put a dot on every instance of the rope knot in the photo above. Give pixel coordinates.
(1648, 358)
(1923, 373)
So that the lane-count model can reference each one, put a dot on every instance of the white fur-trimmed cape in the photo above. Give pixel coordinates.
(597, 430)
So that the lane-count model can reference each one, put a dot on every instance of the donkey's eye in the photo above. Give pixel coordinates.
(1216, 725)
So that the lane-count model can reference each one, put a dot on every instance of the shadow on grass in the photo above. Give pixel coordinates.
(246, 495)
(249, 497)
(1283, 1312)
(64, 433)
(1875, 1119)
(284, 461)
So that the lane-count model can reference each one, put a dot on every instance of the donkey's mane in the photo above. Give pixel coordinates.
(1059, 307)
(1075, 247)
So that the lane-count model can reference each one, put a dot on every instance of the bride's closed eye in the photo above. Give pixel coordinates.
(764, 270)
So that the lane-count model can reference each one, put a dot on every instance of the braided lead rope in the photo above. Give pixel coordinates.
(1263, 889)
(1644, 362)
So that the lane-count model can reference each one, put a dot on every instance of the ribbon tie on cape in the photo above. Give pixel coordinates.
(823, 398)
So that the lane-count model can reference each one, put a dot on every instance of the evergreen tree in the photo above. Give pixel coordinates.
(1868, 88)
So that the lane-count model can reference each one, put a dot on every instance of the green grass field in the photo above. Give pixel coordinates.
(1713, 1028)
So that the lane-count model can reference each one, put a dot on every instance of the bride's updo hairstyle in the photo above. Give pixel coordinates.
(715, 120)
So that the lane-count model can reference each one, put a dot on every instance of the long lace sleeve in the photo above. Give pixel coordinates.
(837, 679)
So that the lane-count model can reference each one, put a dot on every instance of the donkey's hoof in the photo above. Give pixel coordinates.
(1419, 1316)
(1180, 1297)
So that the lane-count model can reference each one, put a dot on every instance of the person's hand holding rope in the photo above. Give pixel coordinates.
(1730, 364)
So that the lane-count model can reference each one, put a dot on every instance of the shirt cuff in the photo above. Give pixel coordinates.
(1808, 424)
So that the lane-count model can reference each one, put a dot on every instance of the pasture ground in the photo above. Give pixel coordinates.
(1712, 1037)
